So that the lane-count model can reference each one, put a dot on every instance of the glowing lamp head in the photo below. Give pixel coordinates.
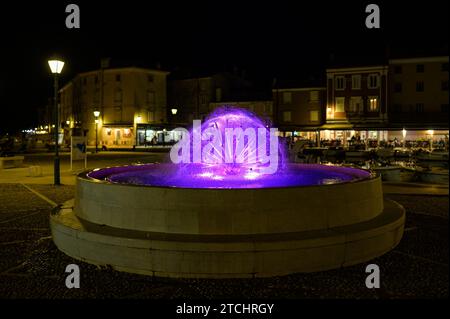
(430, 132)
(56, 66)
(404, 133)
(174, 111)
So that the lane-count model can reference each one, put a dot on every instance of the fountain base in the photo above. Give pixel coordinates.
(226, 256)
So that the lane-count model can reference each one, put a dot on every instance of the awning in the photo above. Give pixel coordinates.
(118, 125)
(343, 126)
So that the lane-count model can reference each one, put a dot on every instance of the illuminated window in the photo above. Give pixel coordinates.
(314, 116)
(287, 116)
(340, 104)
(340, 83)
(126, 132)
(373, 104)
(287, 97)
(356, 82)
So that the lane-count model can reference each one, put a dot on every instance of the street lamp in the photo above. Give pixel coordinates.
(174, 112)
(56, 67)
(96, 114)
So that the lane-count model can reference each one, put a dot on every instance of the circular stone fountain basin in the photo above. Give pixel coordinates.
(150, 219)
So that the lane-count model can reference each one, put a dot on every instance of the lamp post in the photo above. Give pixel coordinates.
(431, 133)
(56, 67)
(96, 114)
(404, 137)
(174, 112)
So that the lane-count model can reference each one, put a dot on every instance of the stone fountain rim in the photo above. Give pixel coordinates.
(84, 176)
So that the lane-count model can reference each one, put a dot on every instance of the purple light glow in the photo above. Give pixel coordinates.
(230, 175)
(246, 162)
(167, 175)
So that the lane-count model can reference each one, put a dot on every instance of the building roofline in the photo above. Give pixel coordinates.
(295, 89)
(110, 70)
(239, 102)
(359, 68)
(419, 60)
(131, 68)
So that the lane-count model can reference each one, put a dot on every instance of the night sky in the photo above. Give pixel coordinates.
(283, 39)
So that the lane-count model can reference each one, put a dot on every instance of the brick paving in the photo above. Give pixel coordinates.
(32, 267)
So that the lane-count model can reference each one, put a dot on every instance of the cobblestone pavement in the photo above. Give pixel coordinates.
(32, 267)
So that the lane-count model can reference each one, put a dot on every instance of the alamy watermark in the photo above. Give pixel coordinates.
(236, 145)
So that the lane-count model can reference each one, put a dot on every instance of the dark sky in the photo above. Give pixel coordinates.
(284, 39)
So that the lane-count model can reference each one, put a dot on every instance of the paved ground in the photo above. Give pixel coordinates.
(32, 267)
(45, 161)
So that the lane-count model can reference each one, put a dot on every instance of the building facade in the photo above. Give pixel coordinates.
(191, 97)
(130, 100)
(419, 93)
(357, 103)
(299, 109)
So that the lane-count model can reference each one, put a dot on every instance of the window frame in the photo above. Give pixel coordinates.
(356, 76)
(284, 116)
(336, 99)
(287, 101)
(336, 81)
(377, 77)
(369, 105)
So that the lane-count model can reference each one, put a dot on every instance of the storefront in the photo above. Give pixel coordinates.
(116, 136)
(152, 135)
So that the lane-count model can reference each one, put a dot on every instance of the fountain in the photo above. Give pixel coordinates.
(224, 213)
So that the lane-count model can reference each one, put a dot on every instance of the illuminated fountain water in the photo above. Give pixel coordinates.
(228, 214)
